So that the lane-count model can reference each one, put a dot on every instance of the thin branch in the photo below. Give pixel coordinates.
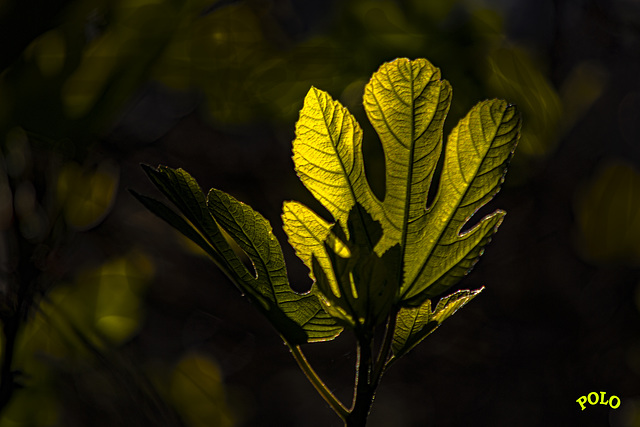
(317, 382)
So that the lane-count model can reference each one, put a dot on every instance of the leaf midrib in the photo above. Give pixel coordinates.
(453, 211)
(407, 198)
(342, 165)
(409, 179)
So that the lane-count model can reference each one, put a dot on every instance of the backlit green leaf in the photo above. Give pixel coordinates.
(327, 154)
(407, 103)
(378, 259)
(478, 151)
(308, 233)
(413, 324)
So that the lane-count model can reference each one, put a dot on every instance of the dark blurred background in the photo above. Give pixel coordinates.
(110, 318)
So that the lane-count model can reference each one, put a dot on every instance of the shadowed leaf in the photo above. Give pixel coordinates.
(299, 318)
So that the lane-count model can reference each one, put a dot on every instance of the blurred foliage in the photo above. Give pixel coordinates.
(73, 80)
(629, 415)
(106, 301)
(75, 332)
(608, 214)
(102, 306)
(21, 412)
(247, 70)
(197, 391)
(24, 205)
(513, 75)
(583, 86)
(252, 61)
(86, 196)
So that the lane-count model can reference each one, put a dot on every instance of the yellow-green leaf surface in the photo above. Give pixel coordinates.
(477, 153)
(299, 318)
(308, 233)
(327, 154)
(413, 324)
(407, 103)
(378, 258)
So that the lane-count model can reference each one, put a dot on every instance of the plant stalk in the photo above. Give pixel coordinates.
(383, 355)
(317, 382)
(364, 389)
(368, 374)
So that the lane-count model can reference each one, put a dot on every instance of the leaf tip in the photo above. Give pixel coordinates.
(147, 168)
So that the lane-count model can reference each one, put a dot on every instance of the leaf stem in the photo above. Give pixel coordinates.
(383, 355)
(317, 382)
